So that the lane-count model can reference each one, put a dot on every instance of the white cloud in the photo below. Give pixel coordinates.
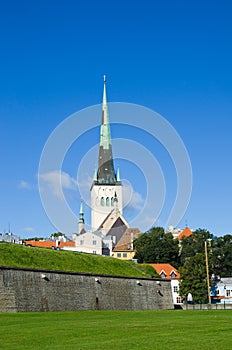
(84, 184)
(28, 229)
(131, 199)
(24, 185)
(57, 181)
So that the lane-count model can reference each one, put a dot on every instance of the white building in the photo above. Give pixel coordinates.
(221, 292)
(170, 272)
(9, 238)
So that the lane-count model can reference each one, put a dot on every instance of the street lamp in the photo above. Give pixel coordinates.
(207, 271)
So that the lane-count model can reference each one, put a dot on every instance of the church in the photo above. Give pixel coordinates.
(110, 233)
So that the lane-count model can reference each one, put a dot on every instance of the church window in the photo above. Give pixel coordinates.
(94, 242)
(81, 242)
(97, 201)
(107, 201)
(112, 201)
(102, 201)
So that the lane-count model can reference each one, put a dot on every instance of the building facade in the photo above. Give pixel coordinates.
(167, 271)
(221, 292)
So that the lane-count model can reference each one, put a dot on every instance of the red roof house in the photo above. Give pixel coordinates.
(166, 270)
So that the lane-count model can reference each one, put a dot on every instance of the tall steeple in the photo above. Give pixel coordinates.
(105, 181)
(106, 173)
(81, 222)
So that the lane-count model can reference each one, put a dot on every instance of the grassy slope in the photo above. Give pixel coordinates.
(22, 256)
(124, 330)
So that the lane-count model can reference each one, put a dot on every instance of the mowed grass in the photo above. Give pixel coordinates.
(118, 330)
(30, 257)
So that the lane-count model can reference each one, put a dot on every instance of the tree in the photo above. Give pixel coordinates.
(222, 256)
(57, 235)
(194, 244)
(156, 246)
(193, 278)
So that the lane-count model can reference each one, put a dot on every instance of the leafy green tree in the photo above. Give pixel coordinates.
(222, 256)
(156, 246)
(193, 278)
(57, 234)
(194, 244)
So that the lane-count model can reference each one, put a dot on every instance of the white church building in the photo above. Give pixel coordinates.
(107, 220)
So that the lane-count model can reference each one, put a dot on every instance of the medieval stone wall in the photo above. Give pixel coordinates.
(38, 290)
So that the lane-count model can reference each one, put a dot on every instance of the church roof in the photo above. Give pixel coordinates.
(111, 220)
(105, 173)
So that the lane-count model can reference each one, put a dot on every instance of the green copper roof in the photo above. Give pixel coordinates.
(105, 173)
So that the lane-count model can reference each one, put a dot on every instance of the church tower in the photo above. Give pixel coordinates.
(81, 221)
(106, 183)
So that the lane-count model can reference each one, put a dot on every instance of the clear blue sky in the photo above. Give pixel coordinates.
(171, 56)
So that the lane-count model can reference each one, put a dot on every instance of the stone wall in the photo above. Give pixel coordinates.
(39, 290)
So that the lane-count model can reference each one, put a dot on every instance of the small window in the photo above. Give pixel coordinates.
(228, 293)
(173, 275)
(118, 255)
(112, 201)
(163, 275)
(102, 201)
(81, 242)
(178, 300)
(94, 252)
(94, 242)
(107, 201)
(175, 289)
(124, 255)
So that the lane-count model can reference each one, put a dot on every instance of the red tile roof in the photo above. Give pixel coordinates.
(166, 269)
(50, 244)
(185, 233)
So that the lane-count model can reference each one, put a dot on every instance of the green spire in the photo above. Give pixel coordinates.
(106, 173)
(105, 137)
(95, 175)
(118, 175)
(81, 214)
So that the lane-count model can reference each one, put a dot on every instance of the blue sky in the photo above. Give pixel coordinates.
(173, 57)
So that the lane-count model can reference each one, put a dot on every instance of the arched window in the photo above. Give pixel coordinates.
(107, 201)
(112, 201)
(102, 201)
(97, 201)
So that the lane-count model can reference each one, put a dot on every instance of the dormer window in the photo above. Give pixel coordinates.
(173, 274)
(163, 274)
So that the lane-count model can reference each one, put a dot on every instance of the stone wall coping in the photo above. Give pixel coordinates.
(82, 273)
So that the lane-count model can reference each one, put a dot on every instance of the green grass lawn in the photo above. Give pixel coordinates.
(30, 257)
(117, 330)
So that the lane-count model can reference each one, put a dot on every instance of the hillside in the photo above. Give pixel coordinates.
(30, 257)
